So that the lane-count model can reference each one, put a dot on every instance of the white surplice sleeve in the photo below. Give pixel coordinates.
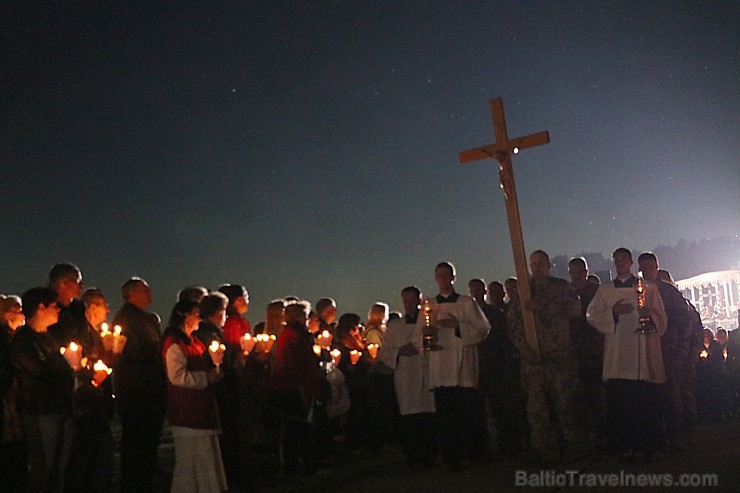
(599, 312)
(474, 327)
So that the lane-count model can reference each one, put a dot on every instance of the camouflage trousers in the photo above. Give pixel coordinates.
(679, 402)
(549, 386)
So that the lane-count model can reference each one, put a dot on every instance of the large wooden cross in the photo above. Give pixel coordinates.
(501, 151)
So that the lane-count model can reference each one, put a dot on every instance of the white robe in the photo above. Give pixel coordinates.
(628, 355)
(411, 373)
(456, 364)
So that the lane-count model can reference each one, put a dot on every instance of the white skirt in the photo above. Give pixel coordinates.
(198, 465)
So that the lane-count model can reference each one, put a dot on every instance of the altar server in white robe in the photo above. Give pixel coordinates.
(417, 427)
(458, 325)
(633, 361)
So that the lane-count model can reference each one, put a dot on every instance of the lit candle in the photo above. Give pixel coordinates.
(72, 354)
(101, 366)
(260, 344)
(216, 350)
(107, 336)
(354, 356)
(247, 343)
(269, 342)
(325, 338)
(704, 354)
(427, 339)
(373, 350)
(101, 372)
(336, 356)
(119, 341)
(317, 349)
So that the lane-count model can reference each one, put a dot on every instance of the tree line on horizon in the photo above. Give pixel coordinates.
(683, 260)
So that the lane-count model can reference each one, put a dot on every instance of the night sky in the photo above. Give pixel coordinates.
(310, 148)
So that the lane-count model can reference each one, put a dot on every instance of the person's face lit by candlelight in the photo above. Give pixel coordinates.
(192, 319)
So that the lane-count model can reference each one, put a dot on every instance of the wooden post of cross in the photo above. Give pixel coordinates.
(501, 151)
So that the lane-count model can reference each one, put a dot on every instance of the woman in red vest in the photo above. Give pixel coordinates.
(191, 404)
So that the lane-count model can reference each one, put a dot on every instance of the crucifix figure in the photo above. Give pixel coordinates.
(501, 151)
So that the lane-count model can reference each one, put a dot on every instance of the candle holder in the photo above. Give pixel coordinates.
(217, 351)
(247, 343)
(324, 339)
(646, 325)
(427, 338)
(354, 356)
(119, 340)
(336, 356)
(73, 355)
(100, 373)
(112, 340)
(265, 342)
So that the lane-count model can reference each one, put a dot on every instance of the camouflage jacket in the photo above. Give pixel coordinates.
(560, 305)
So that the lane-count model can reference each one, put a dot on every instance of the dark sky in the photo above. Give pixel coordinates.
(310, 148)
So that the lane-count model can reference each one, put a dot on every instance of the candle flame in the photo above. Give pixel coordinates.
(101, 366)
(214, 346)
(117, 330)
(73, 346)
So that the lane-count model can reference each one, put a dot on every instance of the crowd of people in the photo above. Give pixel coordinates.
(622, 367)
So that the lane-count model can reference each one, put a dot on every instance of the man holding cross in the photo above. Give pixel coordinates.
(549, 376)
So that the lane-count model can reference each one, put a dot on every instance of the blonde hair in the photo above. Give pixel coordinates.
(377, 315)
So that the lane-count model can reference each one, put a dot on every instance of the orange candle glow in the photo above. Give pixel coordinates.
(354, 356)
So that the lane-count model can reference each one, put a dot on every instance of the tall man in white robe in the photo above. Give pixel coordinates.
(417, 427)
(458, 325)
(633, 361)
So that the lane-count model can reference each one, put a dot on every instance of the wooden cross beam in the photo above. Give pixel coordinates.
(501, 150)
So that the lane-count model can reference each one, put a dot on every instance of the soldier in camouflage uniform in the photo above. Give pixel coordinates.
(588, 345)
(674, 345)
(548, 379)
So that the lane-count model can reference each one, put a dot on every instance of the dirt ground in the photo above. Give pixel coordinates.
(716, 456)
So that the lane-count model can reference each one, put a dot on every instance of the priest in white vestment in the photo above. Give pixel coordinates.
(633, 361)
(458, 326)
(417, 426)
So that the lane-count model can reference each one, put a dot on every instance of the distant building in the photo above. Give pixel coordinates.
(716, 295)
